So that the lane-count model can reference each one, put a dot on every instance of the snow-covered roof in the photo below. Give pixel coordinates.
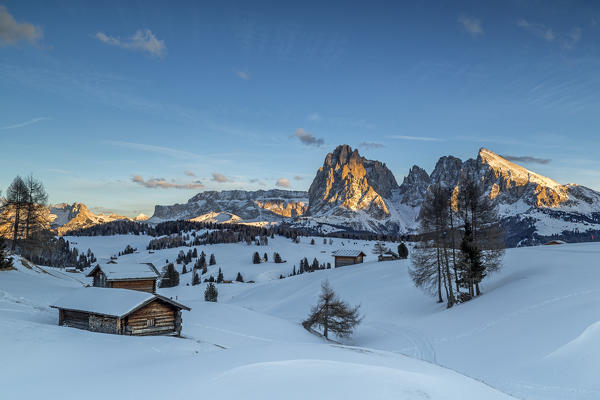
(110, 302)
(348, 253)
(119, 272)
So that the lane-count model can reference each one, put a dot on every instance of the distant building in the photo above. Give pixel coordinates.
(140, 277)
(554, 242)
(120, 311)
(388, 256)
(348, 257)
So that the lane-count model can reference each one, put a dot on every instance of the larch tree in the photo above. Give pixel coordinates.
(332, 314)
(379, 249)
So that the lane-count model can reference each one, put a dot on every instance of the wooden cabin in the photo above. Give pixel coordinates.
(120, 312)
(554, 243)
(388, 256)
(140, 277)
(348, 257)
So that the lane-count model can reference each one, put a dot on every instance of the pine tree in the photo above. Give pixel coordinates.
(315, 265)
(277, 258)
(211, 293)
(265, 258)
(195, 279)
(312, 241)
(170, 277)
(332, 314)
(220, 276)
(402, 251)
(256, 258)
(212, 260)
(184, 270)
(239, 278)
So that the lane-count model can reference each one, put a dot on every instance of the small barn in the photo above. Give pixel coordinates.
(140, 277)
(348, 257)
(554, 243)
(120, 312)
(388, 256)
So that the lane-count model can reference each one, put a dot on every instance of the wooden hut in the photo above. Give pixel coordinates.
(140, 277)
(348, 257)
(554, 242)
(120, 311)
(388, 256)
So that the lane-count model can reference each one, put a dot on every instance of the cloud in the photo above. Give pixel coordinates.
(242, 75)
(527, 159)
(218, 177)
(258, 181)
(307, 138)
(189, 173)
(471, 25)
(283, 182)
(12, 32)
(155, 149)
(142, 40)
(298, 178)
(22, 124)
(371, 145)
(314, 117)
(569, 40)
(416, 138)
(164, 184)
(538, 30)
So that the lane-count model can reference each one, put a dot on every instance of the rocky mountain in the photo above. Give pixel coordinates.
(350, 192)
(67, 217)
(237, 205)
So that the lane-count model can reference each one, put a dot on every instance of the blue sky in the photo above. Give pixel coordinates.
(126, 105)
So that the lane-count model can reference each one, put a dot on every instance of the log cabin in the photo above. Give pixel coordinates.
(348, 257)
(120, 312)
(140, 277)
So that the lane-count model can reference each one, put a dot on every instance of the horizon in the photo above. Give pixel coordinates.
(123, 107)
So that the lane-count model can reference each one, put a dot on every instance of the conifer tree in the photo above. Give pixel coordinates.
(5, 261)
(332, 314)
(402, 251)
(265, 257)
(170, 277)
(277, 258)
(239, 278)
(212, 260)
(196, 279)
(256, 258)
(211, 293)
(220, 276)
(184, 270)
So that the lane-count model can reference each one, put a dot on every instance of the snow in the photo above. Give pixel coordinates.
(123, 271)
(347, 253)
(533, 334)
(111, 302)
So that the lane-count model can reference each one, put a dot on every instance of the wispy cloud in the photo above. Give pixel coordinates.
(569, 40)
(527, 159)
(218, 177)
(141, 40)
(298, 178)
(307, 138)
(164, 184)
(22, 124)
(242, 75)
(283, 182)
(314, 117)
(471, 25)
(155, 149)
(13, 32)
(416, 138)
(371, 145)
(189, 173)
(539, 30)
(257, 181)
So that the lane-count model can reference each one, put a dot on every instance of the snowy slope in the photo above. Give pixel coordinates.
(534, 332)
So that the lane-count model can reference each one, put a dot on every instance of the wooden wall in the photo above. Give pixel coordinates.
(87, 321)
(75, 319)
(146, 285)
(167, 319)
(341, 261)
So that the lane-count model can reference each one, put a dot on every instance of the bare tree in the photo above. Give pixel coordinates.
(14, 208)
(379, 249)
(333, 314)
(36, 212)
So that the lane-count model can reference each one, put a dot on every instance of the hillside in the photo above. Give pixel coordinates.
(531, 333)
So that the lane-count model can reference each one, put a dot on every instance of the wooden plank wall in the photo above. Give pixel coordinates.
(76, 319)
(146, 285)
(164, 320)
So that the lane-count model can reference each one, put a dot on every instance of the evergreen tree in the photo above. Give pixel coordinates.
(265, 257)
(220, 276)
(211, 293)
(195, 279)
(277, 258)
(315, 265)
(333, 314)
(239, 278)
(312, 241)
(256, 258)
(184, 270)
(402, 251)
(5, 261)
(170, 277)
(212, 260)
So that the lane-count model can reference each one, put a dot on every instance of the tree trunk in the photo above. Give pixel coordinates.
(326, 320)
(439, 276)
(16, 228)
(449, 278)
(477, 291)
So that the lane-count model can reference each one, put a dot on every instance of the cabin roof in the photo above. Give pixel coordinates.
(109, 302)
(123, 272)
(348, 253)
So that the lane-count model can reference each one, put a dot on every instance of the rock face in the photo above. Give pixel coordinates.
(414, 187)
(347, 183)
(68, 217)
(241, 205)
